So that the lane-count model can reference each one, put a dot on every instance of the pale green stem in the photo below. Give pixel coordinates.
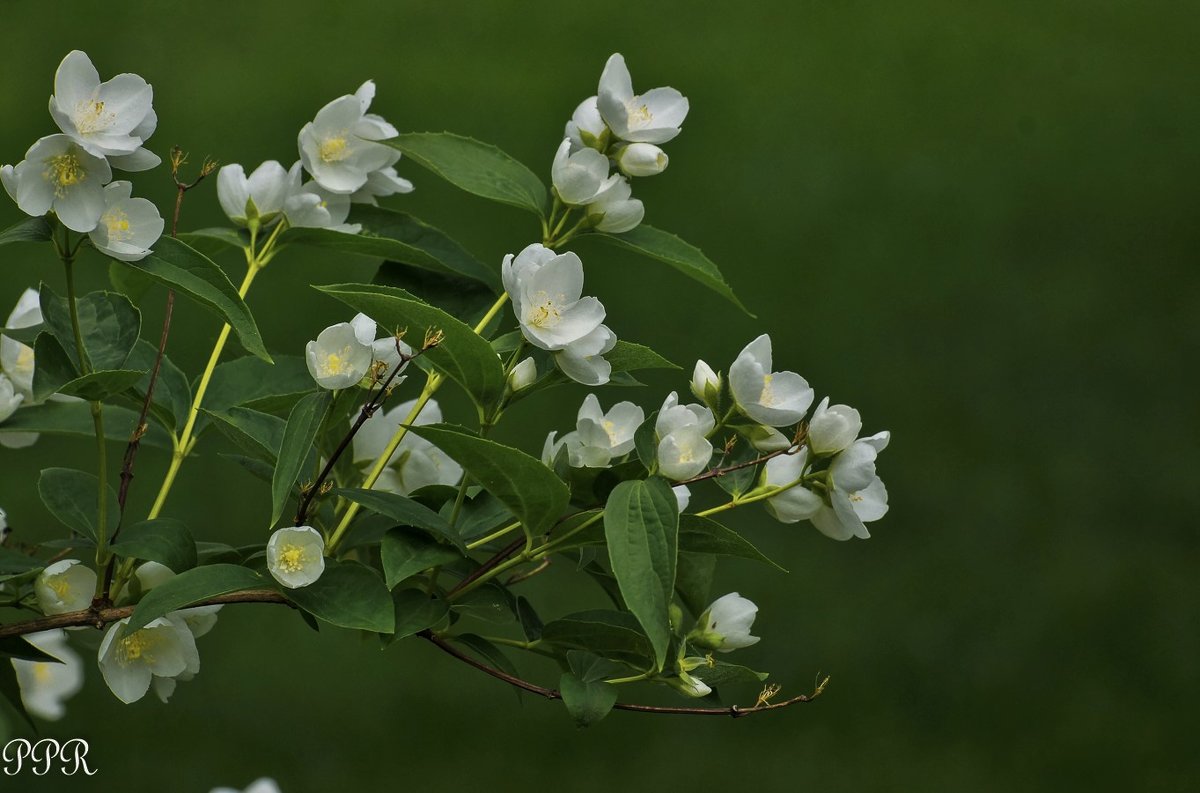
(493, 536)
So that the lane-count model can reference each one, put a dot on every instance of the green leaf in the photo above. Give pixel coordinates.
(191, 587)
(478, 168)
(687, 259)
(459, 297)
(258, 434)
(163, 540)
(347, 595)
(28, 230)
(694, 580)
(630, 357)
(531, 490)
(249, 381)
(610, 634)
(490, 653)
(299, 435)
(75, 418)
(13, 562)
(216, 239)
(100, 385)
(406, 552)
(399, 237)
(645, 441)
(10, 690)
(189, 272)
(72, 497)
(587, 702)
(723, 674)
(704, 535)
(404, 511)
(129, 282)
(172, 393)
(52, 367)
(463, 355)
(531, 623)
(491, 602)
(108, 322)
(416, 610)
(641, 524)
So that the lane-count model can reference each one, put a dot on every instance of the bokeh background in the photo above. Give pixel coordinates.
(973, 221)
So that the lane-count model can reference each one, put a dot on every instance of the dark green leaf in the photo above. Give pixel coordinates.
(129, 282)
(641, 525)
(694, 579)
(531, 623)
(476, 167)
(214, 240)
(191, 273)
(249, 381)
(688, 259)
(587, 702)
(610, 634)
(172, 394)
(723, 674)
(463, 355)
(417, 610)
(347, 595)
(191, 587)
(490, 603)
(163, 540)
(108, 322)
(101, 385)
(403, 510)
(72, 497)
(258, 434)
(490, 653)
(406, 552)
(75, 418)
(645, 440)
(704, 535)
(299, 434)
(28, 230)
(53, 368)
(459, 297)
(630, 357)
(13, 562)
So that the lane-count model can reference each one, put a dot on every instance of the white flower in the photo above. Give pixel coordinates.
(832, 429)
(546, 291)
(641, 159)
(856, 495)
(683, 496)
(683, 446)
(263, 785)
(199, 619)
(416, 462)
(613, 210)
(554, 445)
(673, 416)
(130, 660)
(726, 624)
(310, 205)
(338, 146)
(776, 399)
(152, 574)
(706, 384)
(380, 184)
(128, 226)
(766, 439)
(45, 685)
(296, 556)
(65, 586)
(690, 685)
(523, 375)
(58, 174)
(338, 358)
(583, 359)
(16, 359)
(587, 129)
(652, 117)
(578, 178)
(387, 351)
(10, 400)
(259, 195)
(605, 436)
(797, 502)
(110, 119)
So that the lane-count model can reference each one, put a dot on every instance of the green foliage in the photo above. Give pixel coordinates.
(108, 322)
(191, 587)
(705, 536)
(348, 595)
(172, 392)
(255, 383)
(27, 230)
(10, 690)
(71, 497)
(478, 168)
(406, 552)
(641, 525)
(258, 434)
(299, 434)
(404, 511)
(75, 418)
(163, 540)
(416, 611)
(610, 634)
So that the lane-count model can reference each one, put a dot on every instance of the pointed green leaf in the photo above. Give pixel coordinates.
(587, 702)
(258, 434)
(405, 552)
(108, 322)
(609, 634)
(28, 230)
(347, 595)
(299, 435)
(416, 611)
(72, 497)
(478, 168)
(404, 511)
(75, 418)
(249, 381)
(641, 524)
(630, 357)
(191, 587)
(101, 385)
(163, 540)
(694, 579)
(704, 535)
(172, 392)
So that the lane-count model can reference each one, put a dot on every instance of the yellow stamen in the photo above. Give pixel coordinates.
(333, 149)
(293, 558)
(138, 646)
(90, 117)
(64, 171)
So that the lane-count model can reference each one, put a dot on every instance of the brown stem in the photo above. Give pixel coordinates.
(734, 711)
(497, 558)
(719, 472)
(99, 616)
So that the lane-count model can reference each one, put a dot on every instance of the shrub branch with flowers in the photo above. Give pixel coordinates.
(389, 517)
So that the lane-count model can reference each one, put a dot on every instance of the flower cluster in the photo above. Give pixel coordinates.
(724, 627)
(340, 150)
(616, 129)
(104, 125)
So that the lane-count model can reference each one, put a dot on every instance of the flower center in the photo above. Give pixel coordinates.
(639, 115)
(292, 558)
(90, 117)
(42, 672)
(58, 584)
(137, 646)
(337, 362)
(611, 429)
(768, 398)
(333, 149)
(64, 171)
(545, 313)
(117, 222)
(24, 363)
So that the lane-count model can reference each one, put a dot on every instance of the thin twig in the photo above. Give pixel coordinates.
(733, 711)
(497, 558)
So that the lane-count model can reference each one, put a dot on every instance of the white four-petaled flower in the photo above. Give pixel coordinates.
(416, 463)
(128, 226)
(110, 119)
(832, 429)
(296, 556)
(725, 625)
(59, 175)
(340, 356)
(339, 146)
(683, 446)
(603, 437)
(131, 660)
(65, 586)
(776, 399)
(546, 290)
(259, 196)
(46, 685)
(652, 117)
(580, 177)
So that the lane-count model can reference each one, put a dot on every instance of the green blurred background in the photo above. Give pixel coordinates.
(973, 221)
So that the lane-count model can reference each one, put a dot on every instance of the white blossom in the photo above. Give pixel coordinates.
(46, 685)
(10, 400)
(296, 556)
(587, 129)
(258, 196)
(777, 399)
(857, 496)
(131, 660)
(832, 429)
(583, 359)
(683, 446)
(725, 625)
(16, 359)
(110, 119)
(338, 358)
(523, 375)
(65, 586)
(128, 226)
(59, 175)
(338, 147)
(264, 785)
(554, 444)
(690, 685)
(380, 184)
(578, 178)
(797, 502)
(309, 205)
(604, 437)
(683, 496)
(152, 574)
(387, 351)
(641, 159)
(416, 462)
(652, 117)
(706, 384)
(546, 290)
(613, 210)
